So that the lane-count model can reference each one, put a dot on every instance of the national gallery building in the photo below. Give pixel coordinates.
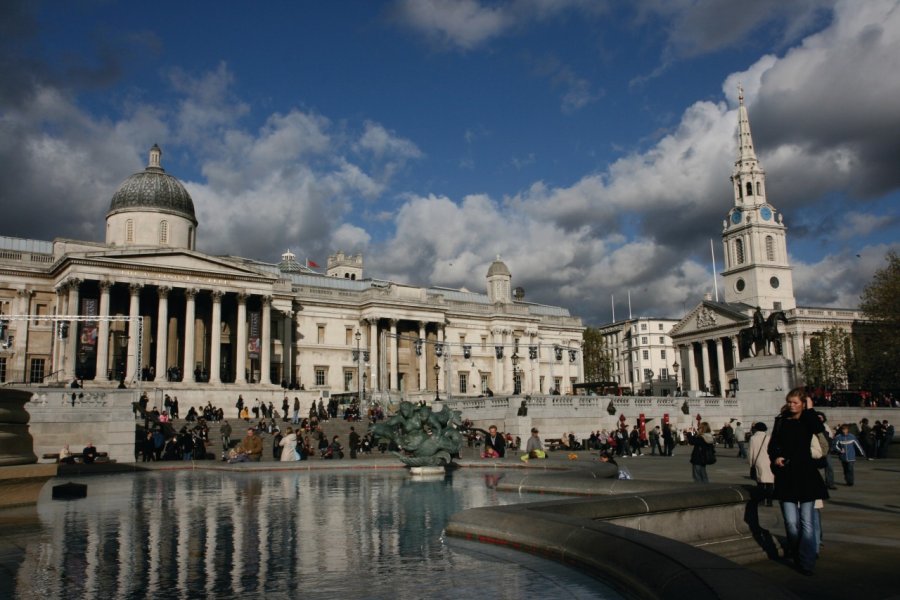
(147, 305)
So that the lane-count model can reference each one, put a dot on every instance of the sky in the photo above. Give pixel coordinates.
(589, 143)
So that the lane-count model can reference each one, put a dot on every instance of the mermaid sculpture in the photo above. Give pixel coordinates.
(425, 438)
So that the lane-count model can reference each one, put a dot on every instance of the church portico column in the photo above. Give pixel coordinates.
(692, 369)
(704, 357)
(101, 373)
(392, 384)
(720, 357)
(240, 367)
(162, 332)
(373, 351)
(134, 306)
(58, 344)
(265, 360)
(190, 316)
(287, 347)
(423, 381)
(215, 349)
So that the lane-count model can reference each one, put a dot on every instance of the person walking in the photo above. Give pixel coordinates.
(225, 432)
(654, 436)
(668, 439)
(704, 452)
(798, 483)
(296, 419)
(846, 445)
(759, 462)
(353, 440)
(739, 437)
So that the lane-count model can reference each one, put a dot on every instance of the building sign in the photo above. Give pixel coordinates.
(89, 328)
(253, 344)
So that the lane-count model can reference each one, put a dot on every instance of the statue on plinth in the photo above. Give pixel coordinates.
(425, 438)
(762, 334)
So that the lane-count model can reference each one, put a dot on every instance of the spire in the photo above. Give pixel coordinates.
(746, 150)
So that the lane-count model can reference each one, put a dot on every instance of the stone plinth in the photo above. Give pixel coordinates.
(765, 374)
(16, 445)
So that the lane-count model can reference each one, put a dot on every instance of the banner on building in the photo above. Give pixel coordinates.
(253, 340)
(89, 328)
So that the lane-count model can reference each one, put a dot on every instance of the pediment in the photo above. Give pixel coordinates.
(179, 260)
(710, 316)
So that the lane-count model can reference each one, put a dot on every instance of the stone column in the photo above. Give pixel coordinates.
(240, 367)
(735, 351)
(134, 310)
(21, 343)
(720, 356)
(58, 344)
(392, 384)
(567, 373)
(287, 347)
(496, 372)
(423, 376)
(265, 354)
(704, 357)
(190, 317)
(162, 333)
(373, 351)
(692, 369)
(102, 371)
(215, 349)
(72, 340)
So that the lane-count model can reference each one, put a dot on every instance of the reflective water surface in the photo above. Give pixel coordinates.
(312, 534)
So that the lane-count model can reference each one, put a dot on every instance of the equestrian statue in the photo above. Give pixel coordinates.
(762, 334)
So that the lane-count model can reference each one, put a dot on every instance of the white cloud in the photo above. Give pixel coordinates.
(858, 224)
(381, 142)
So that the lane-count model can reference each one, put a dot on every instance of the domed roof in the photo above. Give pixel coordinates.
(498, 267)
(153, 189)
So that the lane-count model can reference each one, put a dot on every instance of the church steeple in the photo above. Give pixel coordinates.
(757, 271)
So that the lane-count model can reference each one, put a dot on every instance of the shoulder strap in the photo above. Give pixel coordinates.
(761, 446)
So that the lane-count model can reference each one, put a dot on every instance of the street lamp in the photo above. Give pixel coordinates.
(515, 364)
(675, 366)
(437, 389)
(357, 356)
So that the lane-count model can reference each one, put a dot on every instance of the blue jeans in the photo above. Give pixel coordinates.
(799, 525)
(699, 472)
(848, 471)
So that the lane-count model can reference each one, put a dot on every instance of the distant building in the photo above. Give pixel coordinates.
(757, 274)
(641, 354)
(168, 312)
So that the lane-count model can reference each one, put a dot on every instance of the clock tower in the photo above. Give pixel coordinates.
(756, 272)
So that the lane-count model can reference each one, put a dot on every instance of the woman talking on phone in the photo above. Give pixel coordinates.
(798, 483)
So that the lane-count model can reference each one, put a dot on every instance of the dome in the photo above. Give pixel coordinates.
(498, 267)
(155, 190)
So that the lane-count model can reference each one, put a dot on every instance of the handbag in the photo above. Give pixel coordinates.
(818, 446)
(753, 474)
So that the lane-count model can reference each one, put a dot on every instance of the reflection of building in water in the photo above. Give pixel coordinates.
(192, 533)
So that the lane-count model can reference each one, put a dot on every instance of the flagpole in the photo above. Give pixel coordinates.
(629, 304)
(715, 281)
(612, 300)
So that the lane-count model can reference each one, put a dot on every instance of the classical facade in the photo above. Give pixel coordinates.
(756, 275)
(641, 354)
(147, 305)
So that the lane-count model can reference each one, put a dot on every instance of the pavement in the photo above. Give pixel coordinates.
(860, 556)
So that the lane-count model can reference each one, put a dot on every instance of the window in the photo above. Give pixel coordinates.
(320, 333)
(661, 327)
(770, 248)
(749, 189)
(557, 384)
(129, 230)
(662, 354)
(321, 375)
(36, 371)
(463, 383)
(485, 383)
(348, 380)
(517, 382)
(643, 327)
(739, 251)
(163, 232)
(662, 340)
(2, 369)
(644, 339)
(759, 188)
(462, 339)
(41, 310)
(541, 385)
(483, 342)
(646, 354)
(348, 336)
(776, 306)
(664, 374)
(572, 381)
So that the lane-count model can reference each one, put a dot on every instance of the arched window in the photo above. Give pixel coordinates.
(353, 276)
(163, 232)
(770, 248)
(739, 251)
(749, 188)
(129, 230)
(759, 188)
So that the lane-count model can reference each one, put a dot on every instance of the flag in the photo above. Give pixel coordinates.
(311, 264)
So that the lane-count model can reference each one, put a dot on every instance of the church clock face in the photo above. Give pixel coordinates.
(739, 285)
(766, 213)
(736, 217)
(774, 283)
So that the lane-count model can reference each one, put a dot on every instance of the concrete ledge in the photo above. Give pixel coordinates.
(21, 485)
(637, 563)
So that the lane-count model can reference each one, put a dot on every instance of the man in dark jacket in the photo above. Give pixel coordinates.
(353, 440)
(494, 444)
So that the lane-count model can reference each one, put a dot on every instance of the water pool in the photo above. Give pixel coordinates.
(325, 534)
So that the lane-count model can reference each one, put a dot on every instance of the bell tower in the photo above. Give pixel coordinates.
(753, 235)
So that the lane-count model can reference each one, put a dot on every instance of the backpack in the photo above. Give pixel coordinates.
(709, 453)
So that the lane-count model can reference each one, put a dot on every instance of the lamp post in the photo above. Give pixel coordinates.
(675, 366)
(357, 356)
(515, 365)
(437, 389)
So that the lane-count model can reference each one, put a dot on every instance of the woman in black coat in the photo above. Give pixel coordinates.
(798, 483)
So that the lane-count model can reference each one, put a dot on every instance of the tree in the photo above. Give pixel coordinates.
(878, 340)
(830, 359)
(597, 362)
